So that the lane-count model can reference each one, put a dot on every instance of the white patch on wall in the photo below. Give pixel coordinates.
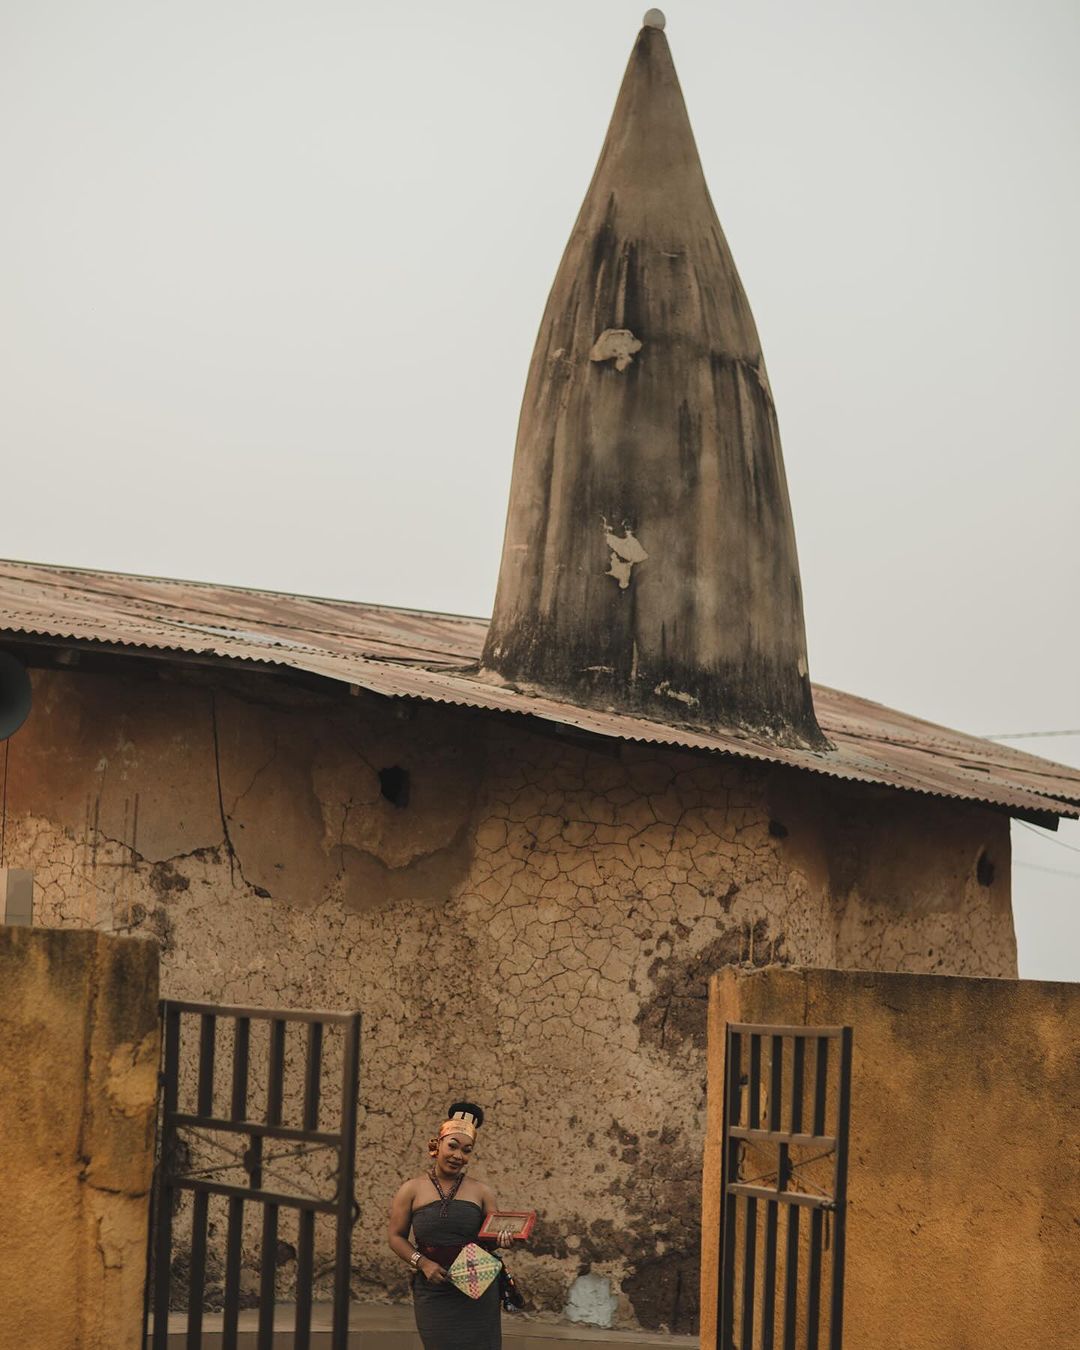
(591, 1301)
(615, 344)
(664, 688)
(625, 552)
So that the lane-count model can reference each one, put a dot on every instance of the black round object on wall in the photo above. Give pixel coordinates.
(15, 695)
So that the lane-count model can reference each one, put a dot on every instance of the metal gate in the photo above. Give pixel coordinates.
(200, 1144)
(787, 1099)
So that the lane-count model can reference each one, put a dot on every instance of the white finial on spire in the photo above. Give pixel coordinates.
(654, 18)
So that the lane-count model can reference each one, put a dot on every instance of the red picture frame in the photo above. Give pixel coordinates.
(519, 1222)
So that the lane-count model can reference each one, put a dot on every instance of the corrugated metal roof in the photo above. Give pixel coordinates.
(411, 654)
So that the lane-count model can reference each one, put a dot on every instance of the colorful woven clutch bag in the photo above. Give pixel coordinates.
(474, 1270)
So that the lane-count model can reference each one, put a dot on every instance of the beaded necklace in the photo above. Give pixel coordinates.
(443, 1195)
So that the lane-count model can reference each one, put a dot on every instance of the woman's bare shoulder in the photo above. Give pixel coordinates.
(409, 1188)
(486, 1192)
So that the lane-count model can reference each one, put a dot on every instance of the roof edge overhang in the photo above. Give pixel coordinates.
(460, 688)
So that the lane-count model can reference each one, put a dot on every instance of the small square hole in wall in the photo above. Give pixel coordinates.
(394, 785)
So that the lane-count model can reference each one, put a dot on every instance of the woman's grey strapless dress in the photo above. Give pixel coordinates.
(446, 1318)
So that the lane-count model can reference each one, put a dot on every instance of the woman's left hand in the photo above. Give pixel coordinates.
(505, 1238)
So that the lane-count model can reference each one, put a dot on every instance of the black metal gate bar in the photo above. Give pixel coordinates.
(791, 1258)
(840, 1187)
(346, 1180)
(759, 1298)
(725, 1312)
(753, 1116)
(275, 1093)
(170, 1179)
(197, 1278)
(234, 1231)
(164, 1193)
(772, 1212)
(305, 1247)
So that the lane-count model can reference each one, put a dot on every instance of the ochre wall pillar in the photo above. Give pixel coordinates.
(963, 1172)
(78, 1083)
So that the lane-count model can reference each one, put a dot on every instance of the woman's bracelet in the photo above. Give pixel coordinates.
(415, 1259)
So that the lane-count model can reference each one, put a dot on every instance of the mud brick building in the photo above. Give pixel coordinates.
(522, 848)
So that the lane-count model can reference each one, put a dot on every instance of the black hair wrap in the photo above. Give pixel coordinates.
(466, 1108)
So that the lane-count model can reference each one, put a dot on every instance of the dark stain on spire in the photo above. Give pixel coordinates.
(649, 561)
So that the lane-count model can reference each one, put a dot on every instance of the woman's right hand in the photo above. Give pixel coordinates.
(433, 1272)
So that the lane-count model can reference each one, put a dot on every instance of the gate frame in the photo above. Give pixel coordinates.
(733, 1135)
(168, 1181)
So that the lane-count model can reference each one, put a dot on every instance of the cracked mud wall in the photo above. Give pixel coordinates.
(532, 923)
(78, 1087)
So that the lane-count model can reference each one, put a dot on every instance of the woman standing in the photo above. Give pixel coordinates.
(445, 1210)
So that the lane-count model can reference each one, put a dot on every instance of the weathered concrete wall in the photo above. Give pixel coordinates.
(964, 1170)
(533, 927)
(78, 1085)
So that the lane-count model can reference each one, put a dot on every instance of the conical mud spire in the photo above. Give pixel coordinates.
(649, 563)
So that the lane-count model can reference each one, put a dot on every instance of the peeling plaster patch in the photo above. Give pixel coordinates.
(625, 552)
(620, 571)
(131, 1081)
(591, 1301)
(666, 690)
(615, 344)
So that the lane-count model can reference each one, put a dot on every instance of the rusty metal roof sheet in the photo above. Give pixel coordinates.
(412, 654)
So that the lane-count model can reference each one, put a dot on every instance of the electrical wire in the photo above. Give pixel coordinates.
(1028, 735)
(1055, 871)
(1060, 843)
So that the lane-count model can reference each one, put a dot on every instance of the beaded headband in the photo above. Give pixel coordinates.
(458, 1125)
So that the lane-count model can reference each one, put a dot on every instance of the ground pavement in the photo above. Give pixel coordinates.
(383, 1328)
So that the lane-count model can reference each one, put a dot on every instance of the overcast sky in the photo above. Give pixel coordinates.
(270, 276)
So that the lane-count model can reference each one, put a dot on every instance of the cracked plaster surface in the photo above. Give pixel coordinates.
(534, 930)
(78, 1090)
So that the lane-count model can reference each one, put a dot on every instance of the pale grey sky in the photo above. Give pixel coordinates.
(270, 275)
